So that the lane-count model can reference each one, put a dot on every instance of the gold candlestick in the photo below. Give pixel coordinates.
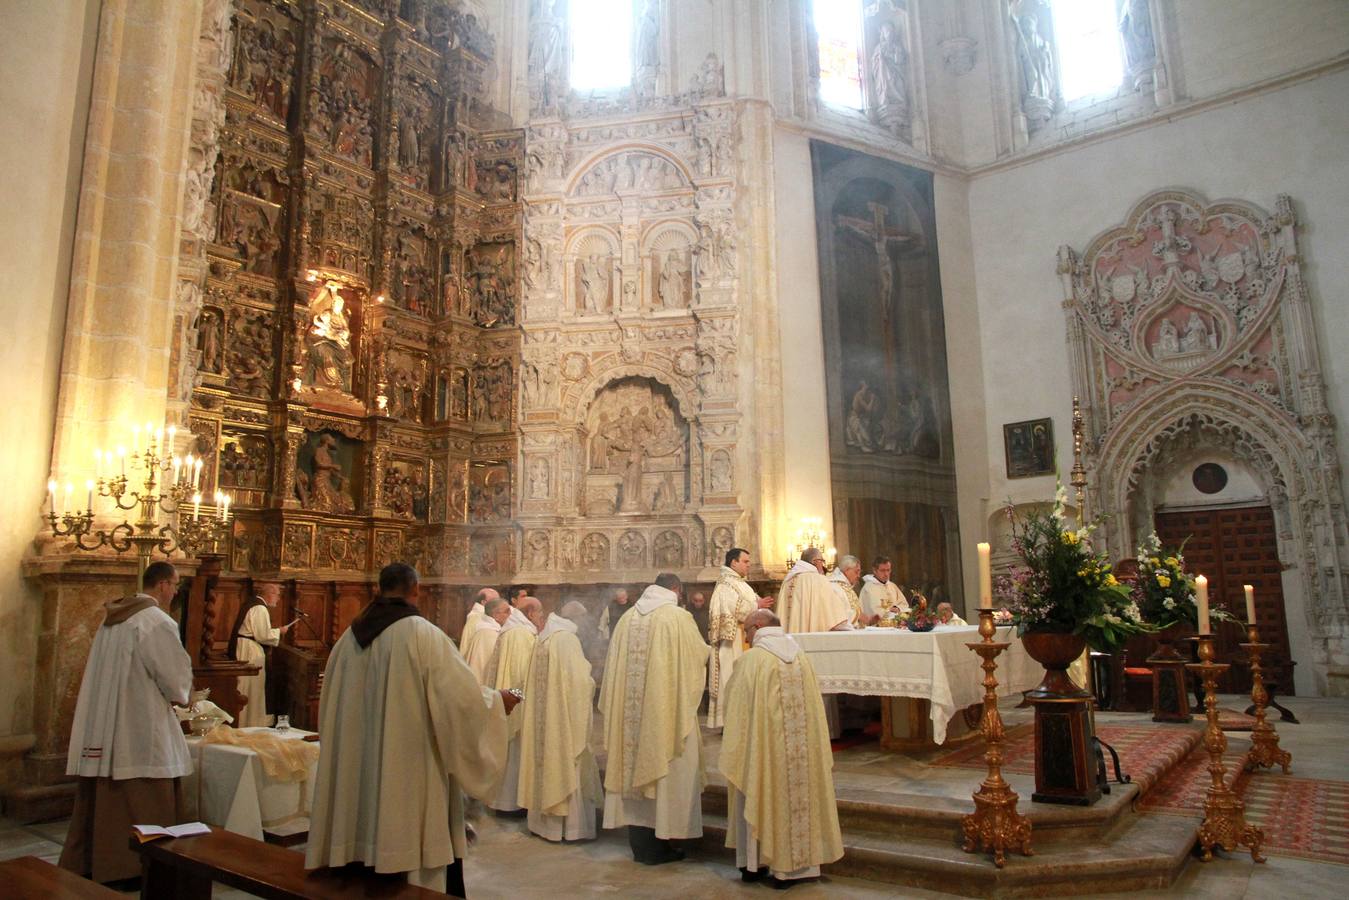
(1265, 749)
(995, 824)
(1224, 822)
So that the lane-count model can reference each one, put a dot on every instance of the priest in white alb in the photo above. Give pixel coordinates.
(559, 780)
(732, 600)
(843, 580)
(127, 749)
(253, 633)
(879, 593)
(775, 756)
(807, 602)
(653, 683)
(476, 613)
(508, 670)
(407, 731)
(480, 646)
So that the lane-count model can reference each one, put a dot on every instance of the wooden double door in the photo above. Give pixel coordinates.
(1233, 547)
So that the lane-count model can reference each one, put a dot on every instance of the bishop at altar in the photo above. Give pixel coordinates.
(807, 601)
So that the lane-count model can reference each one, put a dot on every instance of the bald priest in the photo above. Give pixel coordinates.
(559, 780)
(808, 602)
(775, 756)
(407, 730)
(509, 670)
(653, 683)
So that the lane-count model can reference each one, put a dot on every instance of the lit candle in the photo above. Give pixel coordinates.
(172, 431)
(196, 507)
(89, 498)
(176, 463)
(220, 505)
(985, 577)
(1201, 598)
(1250, 603)
(51, 495)
(226, 517)
(65, 507)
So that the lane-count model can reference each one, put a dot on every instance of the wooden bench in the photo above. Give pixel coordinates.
(29, 876)
(184, 868)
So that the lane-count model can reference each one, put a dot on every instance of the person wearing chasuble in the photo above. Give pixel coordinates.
(775, 756)
(482, 643)
(879, 593)
(475, 616)
(732, 600)
(653, 682)
(842, 580)
(807, 601)
(507, 670)
(126, 744)
(253, 633)
(407, 731)
(559, 780)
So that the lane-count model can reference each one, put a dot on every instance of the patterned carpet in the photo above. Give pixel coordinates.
(1146, 751)
(1181, 792)
(1301, 817)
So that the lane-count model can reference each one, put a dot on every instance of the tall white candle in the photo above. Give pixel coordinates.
(1201, 597)
(89, 496)
(985, 577)
(196, 507)
(1250, 603)
(51, 496)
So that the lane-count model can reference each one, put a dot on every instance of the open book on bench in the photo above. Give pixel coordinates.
(145, 833)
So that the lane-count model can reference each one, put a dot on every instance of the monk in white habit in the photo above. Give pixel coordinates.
(508, 670)
(843, 580)
(476, 613)
(407, 730)
(482, 643)
(653, 682)
(946, 615)
(775, 755)
(807, 602)
(879, 593)
(559, 780)
(253, 633)
(126, 745)
(732, 601)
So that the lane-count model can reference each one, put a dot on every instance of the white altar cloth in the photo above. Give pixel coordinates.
(935, 666)
(229, 789)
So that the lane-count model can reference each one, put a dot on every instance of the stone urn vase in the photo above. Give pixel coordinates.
(1056, 652)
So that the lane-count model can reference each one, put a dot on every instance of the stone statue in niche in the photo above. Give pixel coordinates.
(723, 539)
(209, 340)
(1168, 340)
(674, 280)
(536, 551)
(593, 273)
(545, 54)
(631, 550)
(538, 381)
(637, 449)
(721, 472)
(668, 550)
(594, 552)
(889, 78)
(249, 229)
(459, 394)
(491, 276)
(1135, 28)
(647, 56)
(710, 79)
(538, 479)
(411, 274)
(322, 479)
(327, 341)
(1196, 338)
(496, 181)
(1035, 58)
(491, 393)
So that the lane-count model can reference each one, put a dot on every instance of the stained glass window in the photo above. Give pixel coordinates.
(1091, 59)
(601, 44)
(838, 25)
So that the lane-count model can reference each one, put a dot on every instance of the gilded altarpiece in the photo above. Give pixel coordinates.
(892, 463)
(355, 343)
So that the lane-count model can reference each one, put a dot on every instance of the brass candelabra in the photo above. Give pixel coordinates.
(166, 486)
(1265, 749)
(1224, 822)
(995, 824)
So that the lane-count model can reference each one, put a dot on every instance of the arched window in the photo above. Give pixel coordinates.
(838, 28)
(601, 44)
(1091, 58)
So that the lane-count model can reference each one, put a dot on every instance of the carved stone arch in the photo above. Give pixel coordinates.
(604, 154)
(607, 372)
(659, 235)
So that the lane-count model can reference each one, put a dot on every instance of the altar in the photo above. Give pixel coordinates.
(926, 678)
(231, 789)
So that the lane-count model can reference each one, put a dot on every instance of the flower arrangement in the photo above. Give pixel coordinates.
(918, 618)
(1062, 585)
(1165, 591)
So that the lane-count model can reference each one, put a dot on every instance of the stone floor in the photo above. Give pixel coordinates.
(507, 862)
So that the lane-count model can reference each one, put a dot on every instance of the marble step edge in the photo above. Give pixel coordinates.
(1091, 866)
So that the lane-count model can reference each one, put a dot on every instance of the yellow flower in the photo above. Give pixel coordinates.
(1070, 537)
(1163, 580)
(1155, 562)
(1173, 562)
(1110, 580)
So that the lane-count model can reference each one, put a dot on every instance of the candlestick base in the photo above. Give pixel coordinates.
(1265, 750)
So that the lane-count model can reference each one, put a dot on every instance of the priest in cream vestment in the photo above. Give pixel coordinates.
(476, 614)
(842, 579)
(509, 670)
(126, 745)
(559, 780)
(407, 731)
(807, 602)
(732, 601)
(775, 756)
(653, 682)
(879, 593)
(480, 646)
(253, 632)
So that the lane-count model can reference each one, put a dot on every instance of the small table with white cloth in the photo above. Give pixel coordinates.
(230, 789)
(925, 678)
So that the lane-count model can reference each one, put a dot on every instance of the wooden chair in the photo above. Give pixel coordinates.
(29, 876)
(185, 868)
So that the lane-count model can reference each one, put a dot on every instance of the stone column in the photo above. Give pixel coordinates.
(115, 368)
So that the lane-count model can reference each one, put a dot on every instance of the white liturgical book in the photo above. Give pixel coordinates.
(154, 832)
